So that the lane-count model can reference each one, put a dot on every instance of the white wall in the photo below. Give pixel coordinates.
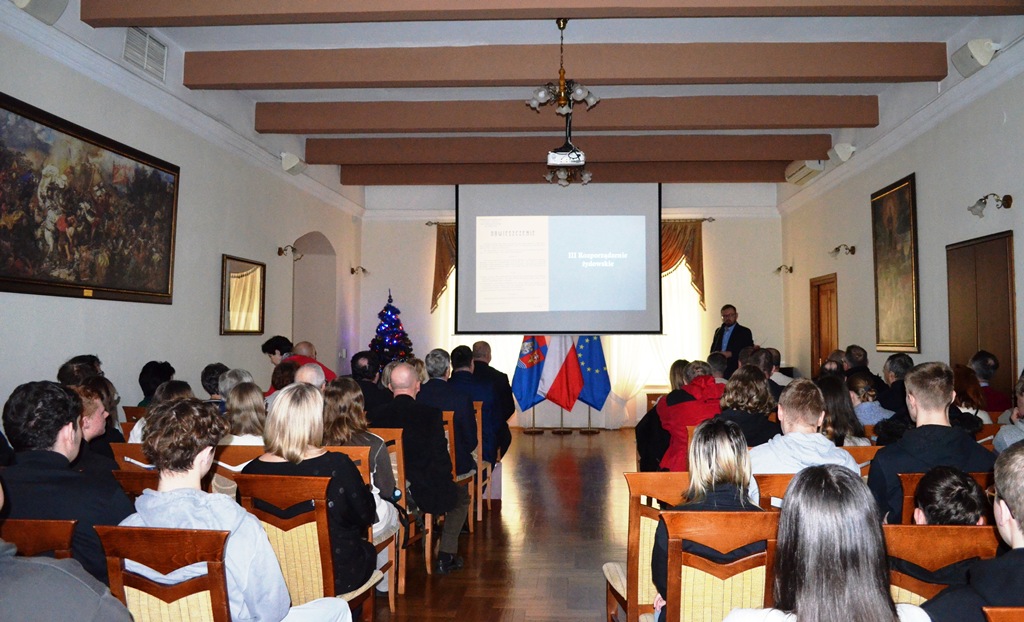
(974, 152)
(226, 204)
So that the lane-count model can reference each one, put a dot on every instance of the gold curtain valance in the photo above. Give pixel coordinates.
(444, 261)
(681, 241)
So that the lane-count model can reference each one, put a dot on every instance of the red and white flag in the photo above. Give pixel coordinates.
(561, 380)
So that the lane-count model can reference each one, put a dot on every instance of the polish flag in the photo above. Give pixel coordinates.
(561, 380)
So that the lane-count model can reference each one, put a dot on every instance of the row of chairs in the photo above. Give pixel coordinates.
(708, 591)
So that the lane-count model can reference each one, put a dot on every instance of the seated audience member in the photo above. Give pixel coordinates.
(831, 368)
(895, 368)
(969, 398)
(801, 413)
(747, 403)
(496, 436)
(311, 374)
(210, 379)
(246, 415)
(283, 375)
(428, 466)
(744, 356)
(719, 475)
(830, 557)
(504, 404)
(277, 348)
(997, 582)
(43, 421)
(932, 443)
(865, 405)
(110, 399)
(230, 378)
(651, 438)
(179, 441)
(718, 364)
(762, 359)
(421, 368)
(780, 378)
(437, 392)
(153, 374)
(855, 361)
(366, 371)
(1014, 432)
(42, 588)
(985, 364)
(294, 436)
(698, 400)
(304, 353)
(78, 368)
(840, 424)
(94, 424)
(170, 390)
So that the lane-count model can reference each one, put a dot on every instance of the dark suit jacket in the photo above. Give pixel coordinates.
(741, 338)
(504, 404)
(441, 395)
(373, 397)
(997, 582)
(428, 466)
(495, 433)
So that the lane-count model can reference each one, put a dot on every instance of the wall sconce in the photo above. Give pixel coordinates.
(359, 270)
(784, 268)
(284, 250)
(845, 249)
(1001, 202)
(291, 163)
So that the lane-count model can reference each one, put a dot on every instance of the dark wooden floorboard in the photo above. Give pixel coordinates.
(537, 555)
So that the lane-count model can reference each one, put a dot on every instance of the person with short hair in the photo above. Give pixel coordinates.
(932, 443)
(43, 420)
(230, 378)
(830, 555)
(996, 582)
(94, 425)
(311, 374)
(718, 364)
(366, 371)
(277, 348)
(78, 368)
(180, 441)
(504, 403)
(855, 361)
(153, 374)
(985, 364)
(748, 403)
(210, 379)
(780, 378)
(495, 436)
(730, 338)
(698, 400)
(893, 371)
(440, 394)
(110, 399)
(167, 391)
(1014, 432)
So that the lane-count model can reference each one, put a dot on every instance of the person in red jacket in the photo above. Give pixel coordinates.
(698, 400)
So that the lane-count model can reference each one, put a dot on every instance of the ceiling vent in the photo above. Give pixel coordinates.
(145, 52)
(802, 171)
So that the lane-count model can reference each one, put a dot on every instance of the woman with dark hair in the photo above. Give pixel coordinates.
(841, 424)
(830, 562)
(747, 402)
(153, 374)
(970, 398)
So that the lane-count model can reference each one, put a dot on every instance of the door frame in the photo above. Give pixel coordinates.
(816, 283)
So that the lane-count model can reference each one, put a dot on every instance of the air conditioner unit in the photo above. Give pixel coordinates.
(802, 171)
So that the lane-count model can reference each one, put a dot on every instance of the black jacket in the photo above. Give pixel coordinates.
(997, 582)
(374, 396)
(441, 395)
(504, 404)
(756, 427)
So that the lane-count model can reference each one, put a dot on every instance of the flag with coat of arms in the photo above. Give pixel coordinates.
(596, 383)
(526, 380)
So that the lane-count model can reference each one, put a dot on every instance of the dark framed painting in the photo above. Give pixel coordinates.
(82, 215)
(894, 241)
(242, 294)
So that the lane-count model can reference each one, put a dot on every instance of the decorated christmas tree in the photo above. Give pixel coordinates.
(392, 343)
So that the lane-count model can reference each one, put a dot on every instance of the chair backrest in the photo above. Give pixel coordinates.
(32, 537)
(127, 427)
(359, 455)
(392, 438)
(229, 460)
(933, 547)
(771, 488)
(134, 482)
(1003, 614)
(863, 455)
(869, 433)
(911, 480)
(987, 434)
(202, 598)
(652, 400)
(668, 488)
(129, 457)
(132, 414)
(449, 434)
(706, 590)
(302, 543)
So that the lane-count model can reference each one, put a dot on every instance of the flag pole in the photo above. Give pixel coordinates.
(561, 429)
(533, 429)
(590, 429)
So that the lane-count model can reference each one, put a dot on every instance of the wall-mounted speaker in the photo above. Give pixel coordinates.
(48, 11)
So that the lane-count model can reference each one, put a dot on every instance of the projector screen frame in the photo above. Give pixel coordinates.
(583, 330)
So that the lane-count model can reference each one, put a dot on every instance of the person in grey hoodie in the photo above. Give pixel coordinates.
(179, 440)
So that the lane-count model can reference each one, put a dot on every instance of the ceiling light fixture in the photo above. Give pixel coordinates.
(566, 163)
(1001, 202)
(846, 249)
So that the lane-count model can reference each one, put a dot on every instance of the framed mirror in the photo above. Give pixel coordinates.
(242, 293)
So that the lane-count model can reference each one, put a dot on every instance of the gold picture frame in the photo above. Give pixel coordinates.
(894, 243)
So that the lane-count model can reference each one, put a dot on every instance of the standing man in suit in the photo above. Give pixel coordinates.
(730, 338)
(504, 404)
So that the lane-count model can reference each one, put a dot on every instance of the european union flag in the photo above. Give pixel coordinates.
(526, 379)
(596, 384)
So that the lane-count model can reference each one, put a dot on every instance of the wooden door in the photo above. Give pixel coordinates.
(824, 319)
(980, 286)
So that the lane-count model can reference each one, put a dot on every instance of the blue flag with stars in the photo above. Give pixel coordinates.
(596, 384)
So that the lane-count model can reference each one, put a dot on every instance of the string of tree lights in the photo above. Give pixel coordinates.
(391, 343)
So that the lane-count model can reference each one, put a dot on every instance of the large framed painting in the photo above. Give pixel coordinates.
(82, 215)
(894, 240)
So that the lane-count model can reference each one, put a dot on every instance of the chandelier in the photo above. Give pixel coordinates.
(566, 164)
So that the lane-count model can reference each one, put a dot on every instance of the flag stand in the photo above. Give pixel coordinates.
(533, 429)
(561, 429)
(590, 429)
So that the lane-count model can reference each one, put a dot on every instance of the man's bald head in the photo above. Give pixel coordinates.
(482, 351)
(404, 380)
(304, 348)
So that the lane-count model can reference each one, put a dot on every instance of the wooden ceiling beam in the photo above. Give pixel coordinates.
(592, 64)
(616, 172)
(100, 13)
(632, 114)
(603, 149)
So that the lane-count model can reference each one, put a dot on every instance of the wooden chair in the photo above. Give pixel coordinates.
(135, 482)
(863, 456)
(32, 537)
(869, 433)
(132, 414)
(629, 585)
(126, 428)
(411, 533)
(771, 489)
(1003, 614)
(933, 547)
(303, 543)
(911, 480)
(987, 434)
(469, 480)
(483, 467)
(129, 457)
(709, 591)
(202, 598)
(652, 400)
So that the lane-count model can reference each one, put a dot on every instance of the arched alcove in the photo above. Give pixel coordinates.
(315, 296)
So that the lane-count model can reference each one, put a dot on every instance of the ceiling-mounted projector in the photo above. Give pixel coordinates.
(566, 155)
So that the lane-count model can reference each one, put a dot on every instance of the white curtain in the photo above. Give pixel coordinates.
(244, 299)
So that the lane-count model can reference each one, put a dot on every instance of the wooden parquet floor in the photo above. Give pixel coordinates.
(538, 554)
